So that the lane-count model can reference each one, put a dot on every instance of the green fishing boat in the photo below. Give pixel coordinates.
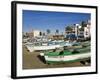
(66, 56)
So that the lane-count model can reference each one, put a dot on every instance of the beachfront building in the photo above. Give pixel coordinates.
(87, 32)
(36, 33)
(78, 31)
(71, 32)
(33, 33)
(58, 37)
(84, 32)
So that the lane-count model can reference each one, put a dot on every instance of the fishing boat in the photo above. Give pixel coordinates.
(66, 56)
(41, 46)
(32, 48)
(48, 45)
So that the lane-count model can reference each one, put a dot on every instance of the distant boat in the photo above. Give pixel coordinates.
(46, 45)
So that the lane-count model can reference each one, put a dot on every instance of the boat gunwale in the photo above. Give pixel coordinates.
(46, 54)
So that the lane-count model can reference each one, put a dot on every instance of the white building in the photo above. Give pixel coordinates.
(35, 33)
(87, 32)
(76, 29)
(81, 32)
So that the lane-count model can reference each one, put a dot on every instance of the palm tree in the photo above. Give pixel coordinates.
(68, 28)
(57, 31)
(83, 24)
(40, 33)
(48, 31)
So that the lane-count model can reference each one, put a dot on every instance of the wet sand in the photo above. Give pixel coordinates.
(32, 60)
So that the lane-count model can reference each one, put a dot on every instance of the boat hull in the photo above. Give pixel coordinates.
(35, 48)
(67, 58)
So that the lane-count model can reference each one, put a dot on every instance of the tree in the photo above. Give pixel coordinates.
(68, 28)
(83, 24)
(40, 33)
(48, 31)
(57, 31)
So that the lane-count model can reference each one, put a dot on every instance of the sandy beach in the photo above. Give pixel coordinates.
(32, 60)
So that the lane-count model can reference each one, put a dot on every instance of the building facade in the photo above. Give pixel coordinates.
(78, 32)
(36, 33)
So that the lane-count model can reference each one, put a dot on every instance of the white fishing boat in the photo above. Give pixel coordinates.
(32, 47)
(46, 45)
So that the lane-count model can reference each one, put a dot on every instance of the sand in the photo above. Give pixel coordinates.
(32, 60)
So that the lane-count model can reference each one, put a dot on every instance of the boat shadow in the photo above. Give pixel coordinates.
(41, 58)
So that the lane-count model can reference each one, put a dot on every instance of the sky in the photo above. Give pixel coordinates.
(43, 20)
